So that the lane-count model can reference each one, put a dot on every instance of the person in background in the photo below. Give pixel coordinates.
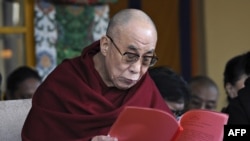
(205, 93)
(83, 96)
(22, 83)
(234, 76)
(238, 109)
(173, 88)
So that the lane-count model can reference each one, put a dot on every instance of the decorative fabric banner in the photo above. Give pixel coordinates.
(45, 37)
(78, 26)
(101, 19)
(74, 29)
(63, 30)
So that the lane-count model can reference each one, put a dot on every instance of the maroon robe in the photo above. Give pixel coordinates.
(74, 104)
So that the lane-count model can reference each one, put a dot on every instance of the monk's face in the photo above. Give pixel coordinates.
(203, 97)
(129, 54)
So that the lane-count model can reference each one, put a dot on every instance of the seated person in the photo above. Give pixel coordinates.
(83, 96)
(234, 77)
(173, 88)
(205, 93)
(22, 83)
(239, 108)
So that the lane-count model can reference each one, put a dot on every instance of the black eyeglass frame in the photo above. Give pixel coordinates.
(153, 58)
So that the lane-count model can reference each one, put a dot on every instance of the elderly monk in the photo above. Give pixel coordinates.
(83, 96)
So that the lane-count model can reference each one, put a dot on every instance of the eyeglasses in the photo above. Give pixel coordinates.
(131, 58)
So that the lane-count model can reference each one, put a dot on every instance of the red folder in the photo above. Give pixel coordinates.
(145, 124)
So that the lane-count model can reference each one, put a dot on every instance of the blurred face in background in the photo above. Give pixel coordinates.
(203, 97)
(26, 89)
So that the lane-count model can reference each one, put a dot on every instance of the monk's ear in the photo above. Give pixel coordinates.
(104, 45)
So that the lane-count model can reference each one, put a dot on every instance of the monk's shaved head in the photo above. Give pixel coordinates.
(126, 16)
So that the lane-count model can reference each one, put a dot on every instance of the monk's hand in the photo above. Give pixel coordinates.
(104, 138)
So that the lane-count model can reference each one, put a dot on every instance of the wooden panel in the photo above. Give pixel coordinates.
(29, 36)
(12, 30)
(165, 14)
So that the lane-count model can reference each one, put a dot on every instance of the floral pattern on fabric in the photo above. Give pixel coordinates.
(63, 30)
(45, 37)
(74, 30)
